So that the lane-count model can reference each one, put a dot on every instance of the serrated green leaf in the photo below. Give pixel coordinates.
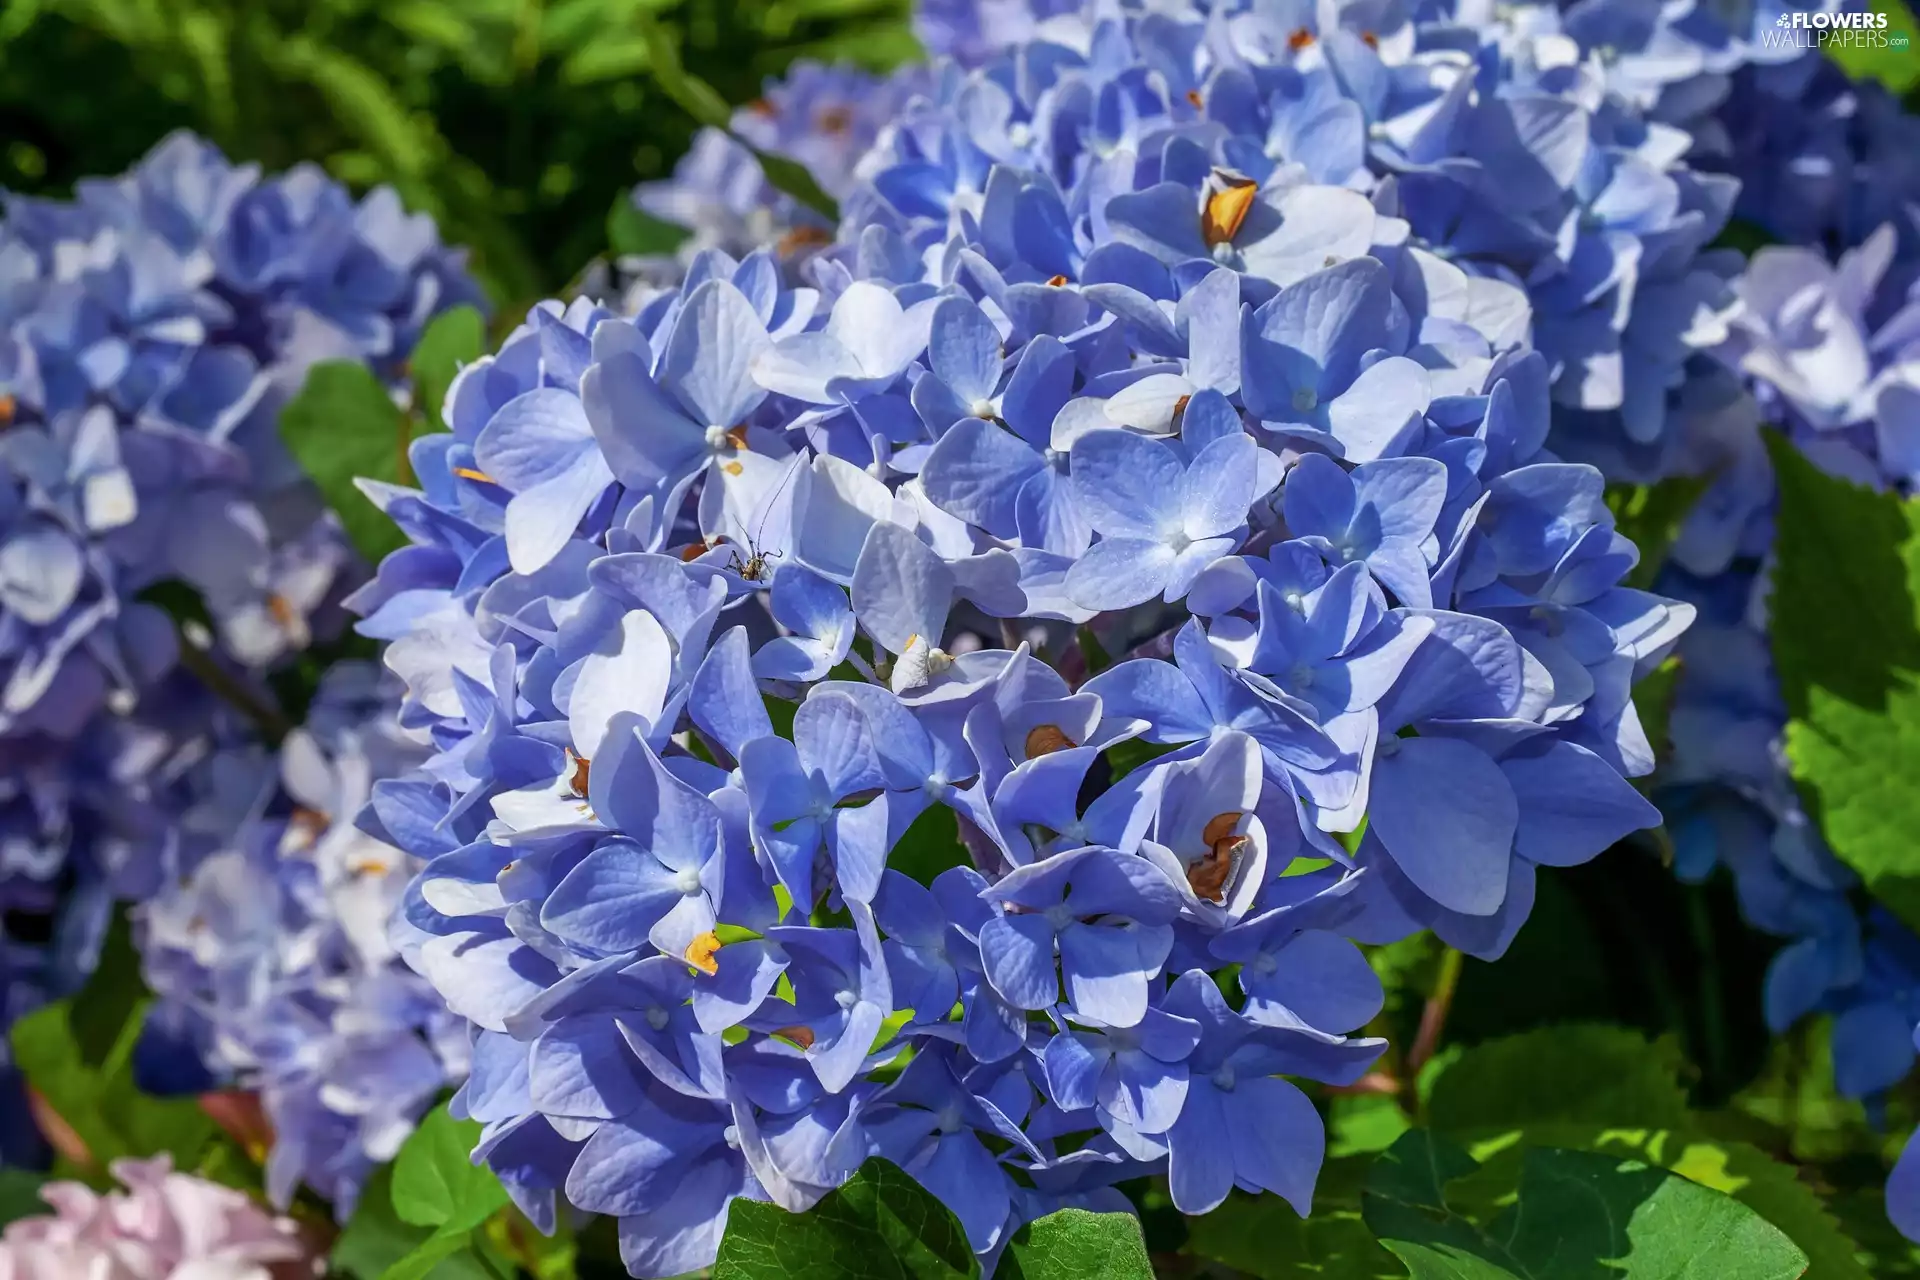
(343, 425)
(436, 1183)
(1070, 1243)
(1605, 1088)
(1847, 646)
(1577, 1072)
(1576, 1215)
(1262, 1235)
(881, 1224)
(455, 338)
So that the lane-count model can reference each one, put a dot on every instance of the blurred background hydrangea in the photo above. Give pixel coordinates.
(517, 124)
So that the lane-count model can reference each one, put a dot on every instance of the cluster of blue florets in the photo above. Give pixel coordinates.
(267, 945)
(1821, 344)
(151, 330)
(960, 694)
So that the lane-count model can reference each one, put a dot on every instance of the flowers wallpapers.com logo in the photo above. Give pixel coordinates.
(1819, 29)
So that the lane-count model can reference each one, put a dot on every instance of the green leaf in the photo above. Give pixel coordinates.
(554, 1257)
(1650, 515)
(695, 96)
(880, 1224)
(930, 845)
(436, 1183)
(796, 180)
(1363, 1123)
(1578, 1215)
(434, 1255)
(97, 1097)
(1071, 1243)
(632, 230)
(1896, 68)
(20, 1194)
(1604, 1088)
(358, 97)
(1653, 701)
(615, 58)
(1884, 1253)
(1262, 1235)
(375, 1239)
(1847, 646)
(698, 99)
(455, 338)
(1748, 237)
(1575, 1073)
(342, 426)
(113, 994)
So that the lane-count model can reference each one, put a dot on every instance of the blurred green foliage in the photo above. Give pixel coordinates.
(516, 123)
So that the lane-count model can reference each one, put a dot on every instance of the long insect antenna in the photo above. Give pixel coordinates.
(773, 500)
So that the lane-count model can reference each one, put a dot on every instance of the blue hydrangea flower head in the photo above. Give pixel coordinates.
(779, 812)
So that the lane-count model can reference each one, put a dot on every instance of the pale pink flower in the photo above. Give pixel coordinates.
(164, 1226)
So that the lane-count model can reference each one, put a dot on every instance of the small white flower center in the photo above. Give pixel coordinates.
(1306, 400)
(717, 441)
(982, 408)
(687, 880)
(657, 1018)
(1223, 253)
(846, 999)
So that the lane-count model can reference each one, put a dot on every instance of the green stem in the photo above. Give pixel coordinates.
(265, 716)
(1433, 1018)
(486, 1263)
(1712, 1009)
